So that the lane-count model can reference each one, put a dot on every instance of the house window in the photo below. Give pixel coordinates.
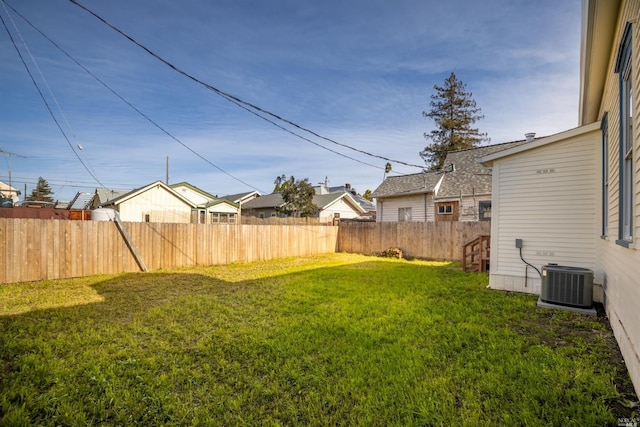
(147, 218)
(445, 210)
(484, 209)
(404, 214)
(623, 68)
(605, 175)
(261, 215)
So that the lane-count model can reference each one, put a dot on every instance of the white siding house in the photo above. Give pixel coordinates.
(574, 198)
(209, 208)
(155, 202)
(337, 206)
(544, 193)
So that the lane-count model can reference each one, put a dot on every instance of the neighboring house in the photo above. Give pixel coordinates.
(574, 198)
(265, 206)
(330, 206)
(8, 192)
(209, 209)
(461, 191)
(368, 206)
(241, 198)
(156, 202)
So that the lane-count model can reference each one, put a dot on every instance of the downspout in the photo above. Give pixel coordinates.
(425, 207)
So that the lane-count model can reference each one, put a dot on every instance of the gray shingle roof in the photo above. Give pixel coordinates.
(275, 199)
(461, 174)
(106, 194)
(238, 196)
(404, 185)
(267, 201)
(467, 176)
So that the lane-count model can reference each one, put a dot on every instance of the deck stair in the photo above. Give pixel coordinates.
(476, 254)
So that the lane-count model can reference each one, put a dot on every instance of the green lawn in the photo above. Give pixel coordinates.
(329, 340)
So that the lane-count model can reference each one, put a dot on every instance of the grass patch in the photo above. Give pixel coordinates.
(329, 340)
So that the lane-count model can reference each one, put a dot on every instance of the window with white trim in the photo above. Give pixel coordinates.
(624, 68)
(445, 209)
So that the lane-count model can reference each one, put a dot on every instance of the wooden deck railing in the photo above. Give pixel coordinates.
(476, 254)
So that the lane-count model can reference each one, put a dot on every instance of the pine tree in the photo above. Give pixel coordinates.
(42, 192)
(454, 111)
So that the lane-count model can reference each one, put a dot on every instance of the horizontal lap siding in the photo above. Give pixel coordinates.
(620, 265)
(547, 197)
(390, 206)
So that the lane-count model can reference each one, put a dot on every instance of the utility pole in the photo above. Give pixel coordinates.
(8, 154)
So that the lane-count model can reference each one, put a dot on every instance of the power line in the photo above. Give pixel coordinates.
(4, 24)
(244, 104)
(128, 103)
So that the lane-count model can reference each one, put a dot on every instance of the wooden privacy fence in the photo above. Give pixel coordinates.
(427, 240)
(37, 249)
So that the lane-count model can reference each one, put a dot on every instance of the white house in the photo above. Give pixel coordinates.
(574, 198)
(209, 208)
(155, 202)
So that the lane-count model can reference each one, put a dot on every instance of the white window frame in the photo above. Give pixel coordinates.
(445, 209)
(626, 142)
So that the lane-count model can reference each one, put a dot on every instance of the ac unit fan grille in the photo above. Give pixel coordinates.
(567, 285)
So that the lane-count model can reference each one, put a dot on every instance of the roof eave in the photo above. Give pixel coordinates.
(488, 160)
(598, 28)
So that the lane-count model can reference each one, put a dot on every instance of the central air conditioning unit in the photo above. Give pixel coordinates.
(571, 286)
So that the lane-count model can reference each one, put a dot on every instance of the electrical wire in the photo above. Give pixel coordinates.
(4, 24)
(149, 119)
(530, 265)
(35, 63)
(248, 106)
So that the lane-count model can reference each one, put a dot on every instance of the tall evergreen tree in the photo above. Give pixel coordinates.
(42, 192)
(454, 111)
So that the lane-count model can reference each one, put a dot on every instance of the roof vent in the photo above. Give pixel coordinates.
(530, 136)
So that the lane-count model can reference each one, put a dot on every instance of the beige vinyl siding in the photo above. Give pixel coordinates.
(546, 196)
(160, 205)
(620, 265)
(387, 208)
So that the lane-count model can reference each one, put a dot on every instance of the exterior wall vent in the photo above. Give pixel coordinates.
(571, 286)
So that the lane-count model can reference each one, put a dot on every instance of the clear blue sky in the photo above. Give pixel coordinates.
(357, 72)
